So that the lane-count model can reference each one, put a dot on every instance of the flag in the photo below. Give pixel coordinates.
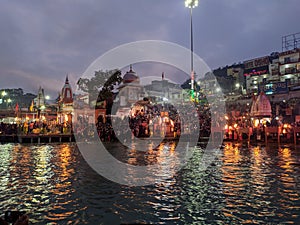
(31, 107)
(17, 108)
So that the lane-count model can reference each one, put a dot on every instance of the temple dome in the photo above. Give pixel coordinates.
(261, 106)
(131, 76)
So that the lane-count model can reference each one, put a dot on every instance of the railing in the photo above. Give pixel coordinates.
(289, 61)
(271, 131)
(279, 134)
(296, 131)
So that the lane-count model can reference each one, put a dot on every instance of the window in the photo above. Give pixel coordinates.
(287, 59)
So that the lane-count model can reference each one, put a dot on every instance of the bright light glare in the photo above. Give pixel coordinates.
(191, 3)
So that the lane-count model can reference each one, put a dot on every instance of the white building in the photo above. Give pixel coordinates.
(161, 91)
(289, 66)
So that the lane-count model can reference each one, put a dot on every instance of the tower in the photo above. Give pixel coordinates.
(66, 93)
(65, 103)
(40, 99)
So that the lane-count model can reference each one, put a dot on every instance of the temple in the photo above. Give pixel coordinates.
(65, 103)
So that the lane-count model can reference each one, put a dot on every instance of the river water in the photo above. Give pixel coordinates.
(244, 185)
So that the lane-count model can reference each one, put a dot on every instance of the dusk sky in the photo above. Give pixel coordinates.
(43, 41)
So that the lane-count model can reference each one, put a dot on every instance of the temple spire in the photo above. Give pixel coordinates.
(67, 79)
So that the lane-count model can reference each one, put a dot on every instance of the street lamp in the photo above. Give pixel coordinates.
(192, 4)
(2, 100)
(237, 85)
(8, 103)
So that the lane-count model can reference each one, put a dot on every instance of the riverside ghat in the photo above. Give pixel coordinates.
(261, 129)
(40, 122)
(260, 125)
(144, 119)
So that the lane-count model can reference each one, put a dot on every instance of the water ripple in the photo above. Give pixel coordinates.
(245, 185)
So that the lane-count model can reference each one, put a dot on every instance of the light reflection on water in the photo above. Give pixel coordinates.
(245, 185)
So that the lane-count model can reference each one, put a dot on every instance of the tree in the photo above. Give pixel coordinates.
(101, 86)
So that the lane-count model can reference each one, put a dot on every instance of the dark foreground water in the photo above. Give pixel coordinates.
(245, 185)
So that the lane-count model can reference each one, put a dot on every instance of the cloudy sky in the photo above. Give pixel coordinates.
(42, 41)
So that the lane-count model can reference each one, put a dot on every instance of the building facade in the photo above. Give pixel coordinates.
(65, 103)
(160, 91)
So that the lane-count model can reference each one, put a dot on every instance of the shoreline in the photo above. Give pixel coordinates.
(37, 138)
(70, 138)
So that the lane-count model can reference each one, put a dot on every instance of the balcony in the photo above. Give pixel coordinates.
(290, 70)
(275, 72)
(289, 61)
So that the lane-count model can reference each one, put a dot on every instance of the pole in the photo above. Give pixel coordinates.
(192, 51)
(192, 4)
(192, 46)
(39, 105)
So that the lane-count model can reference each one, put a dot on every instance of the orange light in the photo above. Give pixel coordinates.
(256, 122)
(284, 131)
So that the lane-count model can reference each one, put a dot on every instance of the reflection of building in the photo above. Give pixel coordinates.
(65, 103)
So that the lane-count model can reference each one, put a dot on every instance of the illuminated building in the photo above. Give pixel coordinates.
(130, 91)
(256, 73)
(289, 67)
(161, 91)
(65, 103)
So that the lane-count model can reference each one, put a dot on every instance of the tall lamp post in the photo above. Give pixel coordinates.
(192, 4)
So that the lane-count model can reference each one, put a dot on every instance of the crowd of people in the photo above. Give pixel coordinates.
(144, 122)
(34, 127)
(9, 129)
